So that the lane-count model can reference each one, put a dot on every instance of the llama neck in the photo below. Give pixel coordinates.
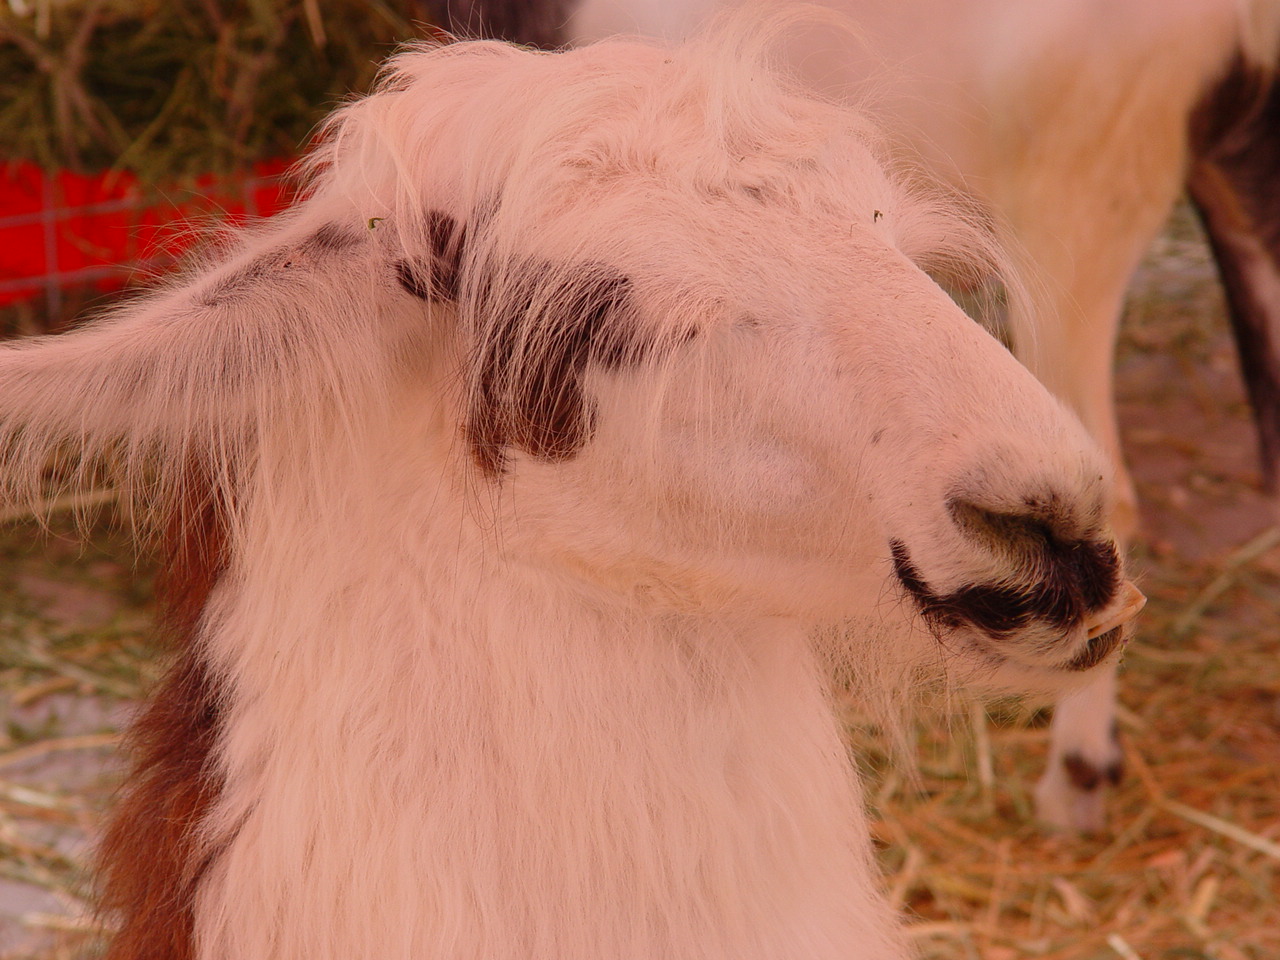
(503, 769)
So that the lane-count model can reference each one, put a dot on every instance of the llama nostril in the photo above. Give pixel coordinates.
(1002, 530)
(1043, 530)
(1057, 552)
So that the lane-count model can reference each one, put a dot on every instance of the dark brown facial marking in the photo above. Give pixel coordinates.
(532, 340)
(414, 281)
(1074, 572)
(531, 351)
(153, 855)
(996, 610)
(1234, 134)
(441, 278)
(1062, 582)
(1085, 776)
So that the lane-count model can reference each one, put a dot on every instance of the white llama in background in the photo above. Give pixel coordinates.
(523, 489)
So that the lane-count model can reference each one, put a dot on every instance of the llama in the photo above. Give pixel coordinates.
(525, 487)
(1076, 127)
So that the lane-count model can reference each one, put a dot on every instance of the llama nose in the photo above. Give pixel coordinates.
(1059, 556)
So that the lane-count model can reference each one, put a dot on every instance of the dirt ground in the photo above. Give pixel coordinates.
(1188, 869)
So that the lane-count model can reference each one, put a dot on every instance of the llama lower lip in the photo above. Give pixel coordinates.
(1097, 650)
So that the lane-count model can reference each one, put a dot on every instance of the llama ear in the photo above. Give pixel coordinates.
(438, 276)
(202, 367)
(533, 340)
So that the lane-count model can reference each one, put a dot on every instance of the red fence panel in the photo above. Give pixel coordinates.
(62, 230)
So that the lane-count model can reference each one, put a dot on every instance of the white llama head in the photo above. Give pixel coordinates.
(680, 345)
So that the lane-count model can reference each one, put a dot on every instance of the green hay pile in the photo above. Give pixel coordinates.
(171, 90)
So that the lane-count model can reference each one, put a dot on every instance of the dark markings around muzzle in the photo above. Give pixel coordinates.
(1059, 584)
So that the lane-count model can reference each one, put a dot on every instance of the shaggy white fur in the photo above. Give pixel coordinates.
(577, 397)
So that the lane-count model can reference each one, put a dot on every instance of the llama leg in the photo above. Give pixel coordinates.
(1072, 351)
(1241, 223)
(1084, 758)
(1084, 755)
